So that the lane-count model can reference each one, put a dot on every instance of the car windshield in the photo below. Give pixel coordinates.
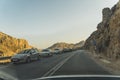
(59, 38)
(45, 50)
(25, 52)
(56, 49)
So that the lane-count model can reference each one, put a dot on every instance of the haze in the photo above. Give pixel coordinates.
(45, 22)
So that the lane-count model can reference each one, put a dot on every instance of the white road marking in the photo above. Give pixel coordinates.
(3, 66)
(54, 69)
(6, 76)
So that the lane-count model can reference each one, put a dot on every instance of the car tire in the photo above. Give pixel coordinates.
(38, 58)
(28, 60)
(48, 54)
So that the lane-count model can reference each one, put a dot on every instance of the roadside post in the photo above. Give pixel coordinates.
(94, 46)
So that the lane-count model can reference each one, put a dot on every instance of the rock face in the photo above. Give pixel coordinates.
(10, 45)
(63, 45)
(79, 45)
(107, 36)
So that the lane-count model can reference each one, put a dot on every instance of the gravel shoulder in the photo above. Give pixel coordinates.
(112, 66)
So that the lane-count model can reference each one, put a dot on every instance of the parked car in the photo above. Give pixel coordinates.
(67, 50)
(57, 51)
(26, 56)
(46, 53)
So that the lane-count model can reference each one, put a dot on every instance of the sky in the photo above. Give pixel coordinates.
(45, 22)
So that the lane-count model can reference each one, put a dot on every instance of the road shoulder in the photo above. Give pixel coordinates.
(111, 66)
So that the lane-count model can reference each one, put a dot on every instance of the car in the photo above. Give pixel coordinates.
(80, 77)
(57, 51)
(66, 50)
(26, 56)
(5, 76)
(46, 53)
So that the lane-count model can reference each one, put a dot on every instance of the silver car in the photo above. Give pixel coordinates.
(57, 51)
(26, 56)
(46, 53)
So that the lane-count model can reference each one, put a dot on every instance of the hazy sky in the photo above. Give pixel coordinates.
(45, 22)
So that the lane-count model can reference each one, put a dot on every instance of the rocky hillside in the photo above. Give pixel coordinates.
(107, 36)
(79, 45)
(63, 45)
(10, 45)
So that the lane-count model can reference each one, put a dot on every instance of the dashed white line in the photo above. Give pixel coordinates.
(54, 69)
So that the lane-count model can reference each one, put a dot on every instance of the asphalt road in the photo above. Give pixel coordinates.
(77, 62)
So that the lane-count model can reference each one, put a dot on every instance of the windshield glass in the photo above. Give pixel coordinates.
(51, 38)
(56, 49)
(45, 50)
(25, 52)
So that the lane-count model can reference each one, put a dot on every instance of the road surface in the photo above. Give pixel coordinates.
(77, 62)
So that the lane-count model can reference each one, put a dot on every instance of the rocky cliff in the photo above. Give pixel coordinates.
(79, 45)
(63, 45)
(106, 39)
(10, 45)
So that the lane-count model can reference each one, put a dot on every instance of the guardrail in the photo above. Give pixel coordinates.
(4, 58)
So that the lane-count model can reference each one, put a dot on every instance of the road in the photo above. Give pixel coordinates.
(77, 62)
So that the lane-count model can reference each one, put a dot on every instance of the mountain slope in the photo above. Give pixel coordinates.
(63, 45)
(107, 36)
(79, 45)
(10, 45)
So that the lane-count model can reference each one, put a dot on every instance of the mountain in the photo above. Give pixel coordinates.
(10, 45)
(79, 45)
(107, 36)
(63, 45)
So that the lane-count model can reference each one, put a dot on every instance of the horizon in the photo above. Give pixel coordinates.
(43, 22)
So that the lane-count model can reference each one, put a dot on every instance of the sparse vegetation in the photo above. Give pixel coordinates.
(63, 45)
(107, 34)
(10, 46)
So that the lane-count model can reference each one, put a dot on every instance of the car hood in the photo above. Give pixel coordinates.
(80, 77)
(19, 55)
(6, 76)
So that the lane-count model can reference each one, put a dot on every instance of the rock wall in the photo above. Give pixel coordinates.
(106, 39)
(61, 45)
(10, 45)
